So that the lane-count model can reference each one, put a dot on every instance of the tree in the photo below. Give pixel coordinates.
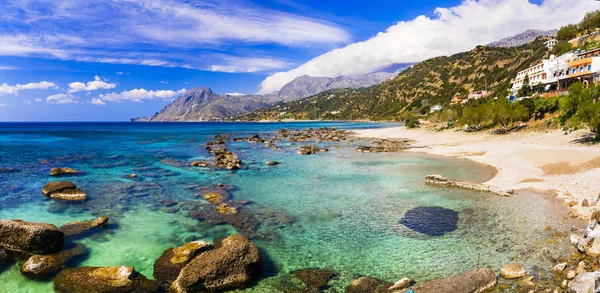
(589, 114)
(412, 122)
(474, 116)
(506, 113)
(525, 88)
(590, 21)
(567, 32)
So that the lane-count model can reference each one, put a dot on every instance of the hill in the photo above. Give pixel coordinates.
(430, 82)
(523, 38)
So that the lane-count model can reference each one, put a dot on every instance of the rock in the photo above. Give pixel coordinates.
(475, 281)
(63, 171)
(27, 237)
(64, 190)
(132, 175)
(512, 271)
(168, 266)
(581, 267)
(103, 280)
(559, 267)
(213, 197)
(585, 283)
(576, 235)
(41, 265)
(75, 228)
(234, 263)
(57, 186)
(402, 284)
(589, 240)
(527, 282)
(585, 203)
(442, 181)
(570, 274)
(198, 164)
(317, 279)
(3, 256)
(272, 163)
(367, 285)
(225, 209)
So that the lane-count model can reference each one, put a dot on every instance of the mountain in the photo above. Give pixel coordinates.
(202, 104)
(415, 89)
(523, 38)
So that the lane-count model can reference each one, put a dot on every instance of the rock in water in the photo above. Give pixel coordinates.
(585, 283)
(432, 221)
(40, 265)
(168, 266)
(75, 228)
(317, 279)
(27, 237)
(103, 280)
(57, 186)
(234, 263)
(468, 282)
(64, 190)
(512, 271)
(401, 284)
(367, 285)
(63, 171)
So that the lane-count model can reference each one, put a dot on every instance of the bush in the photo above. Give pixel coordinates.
(412, 122)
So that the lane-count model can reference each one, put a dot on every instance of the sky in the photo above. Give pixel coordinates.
(111, 60)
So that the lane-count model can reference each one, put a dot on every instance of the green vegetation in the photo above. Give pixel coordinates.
(590, 22)
(412, 122)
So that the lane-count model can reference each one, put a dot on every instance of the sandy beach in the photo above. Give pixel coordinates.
(547, 161)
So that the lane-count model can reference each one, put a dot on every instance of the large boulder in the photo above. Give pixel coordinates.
(317, 279)
(41, 265)
(63, 190)
(74, 228)
(588, 241)
(32, 238)
(103, 280)
(585, 283)
(168, 266)
(368, 285)
(475, 281)
(63, 171)
(234, 263)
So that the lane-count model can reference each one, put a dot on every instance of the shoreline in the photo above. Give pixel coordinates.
(549, 162)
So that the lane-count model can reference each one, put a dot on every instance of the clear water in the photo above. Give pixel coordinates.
(347, 205)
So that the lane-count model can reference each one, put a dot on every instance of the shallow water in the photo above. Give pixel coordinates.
(340, 210)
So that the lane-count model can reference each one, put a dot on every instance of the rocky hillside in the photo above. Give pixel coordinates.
(430, 82)
(202, 104)
(523, 38)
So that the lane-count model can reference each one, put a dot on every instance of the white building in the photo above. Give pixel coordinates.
(435, 108)
(551, 43)
(544, 73)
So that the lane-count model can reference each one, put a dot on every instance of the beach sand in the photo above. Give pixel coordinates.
(546, 161)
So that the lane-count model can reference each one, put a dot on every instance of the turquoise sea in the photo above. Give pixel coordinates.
(340, 210)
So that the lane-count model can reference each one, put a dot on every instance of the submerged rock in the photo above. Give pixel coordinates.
(272, 163)
(103, 280)
(40, 265)
(585, 283)
(401, 284)
(317, 279)
(64, 190)
(368, 285)
(28, 237)
(234, 263)
(168, 266)
(75, 228)
(63, 171)
(440, 180)
(512, 271)
(432, 221)
(475, 281)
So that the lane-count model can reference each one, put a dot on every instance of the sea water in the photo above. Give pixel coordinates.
(342, 210)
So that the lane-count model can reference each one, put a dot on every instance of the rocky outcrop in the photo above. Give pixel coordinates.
(234, 263)
(31, 238)
(475, 281)
(75, 228)
(525, 37)
(402, 284)
(385, 146)
(512, 271)
(317, 279)
(440, 180)
(64, 190)
(226, 159)
(168, 266)
(368, 285)
(63, 171)
(41, 265)
(103, 280)
(310, 149)
(588, 240)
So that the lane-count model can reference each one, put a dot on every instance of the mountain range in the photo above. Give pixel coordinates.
(202, 104)
(523, 38)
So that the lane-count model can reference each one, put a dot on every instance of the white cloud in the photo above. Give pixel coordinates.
(452, 30)
(8, 67)
(139, 95)
(98, 102)
(6, 89)
(235, 64)
(3, 105)
(38, 100)
(93, 85)
(235, 94)
(62, 99)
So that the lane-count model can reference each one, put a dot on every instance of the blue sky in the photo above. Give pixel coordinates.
(110, 60)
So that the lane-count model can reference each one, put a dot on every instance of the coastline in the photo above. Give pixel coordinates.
(544, 161)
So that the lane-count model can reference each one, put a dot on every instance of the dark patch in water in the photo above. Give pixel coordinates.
(432, 221)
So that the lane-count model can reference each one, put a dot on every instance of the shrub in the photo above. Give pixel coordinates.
(412, 122)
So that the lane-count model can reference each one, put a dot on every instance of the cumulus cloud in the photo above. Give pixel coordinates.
(62, 99)
(6, 89)
(97, 102)
(93, 85)
(139, 95)
(451, 30)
